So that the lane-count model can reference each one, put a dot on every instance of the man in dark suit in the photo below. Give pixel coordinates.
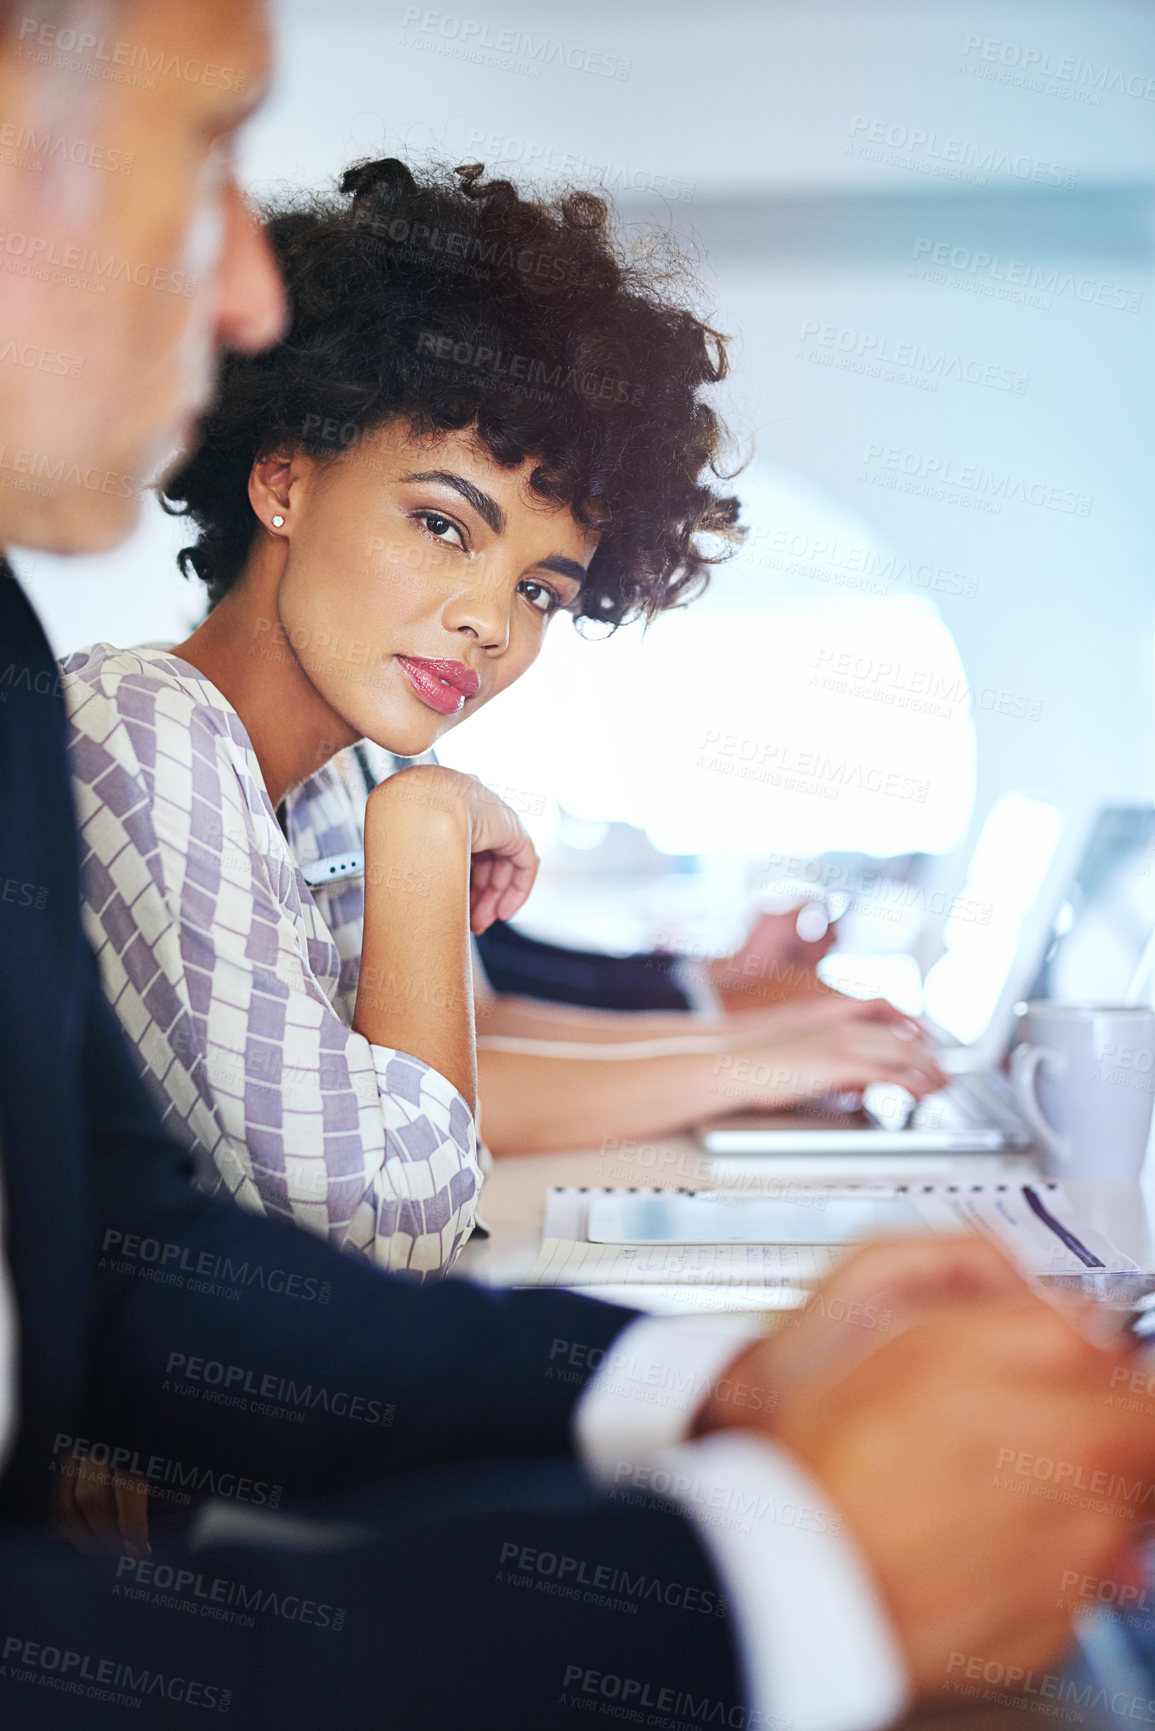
(398, 1528)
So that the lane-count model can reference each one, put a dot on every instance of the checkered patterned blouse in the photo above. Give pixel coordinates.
(236, 983)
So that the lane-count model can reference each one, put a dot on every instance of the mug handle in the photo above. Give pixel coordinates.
(1025, 1061)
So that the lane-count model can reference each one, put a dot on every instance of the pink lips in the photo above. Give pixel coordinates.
(443, 685)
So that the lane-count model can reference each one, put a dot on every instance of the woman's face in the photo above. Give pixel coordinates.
(419, 579)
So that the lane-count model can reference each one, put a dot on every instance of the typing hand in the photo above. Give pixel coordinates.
(827, 1045)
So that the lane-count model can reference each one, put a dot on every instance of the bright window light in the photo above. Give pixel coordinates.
(812, 701)
(896, 977)
(813, 726)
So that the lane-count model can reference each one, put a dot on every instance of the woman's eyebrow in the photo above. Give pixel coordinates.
(487, 509)
(563, 567)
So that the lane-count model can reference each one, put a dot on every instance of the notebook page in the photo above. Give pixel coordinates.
(566, 1262)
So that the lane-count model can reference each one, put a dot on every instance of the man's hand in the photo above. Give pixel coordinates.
(98, 1510)
(973, 1448)
(880, 1289)
(873, 1294)
(773, 965)
(976, 1458)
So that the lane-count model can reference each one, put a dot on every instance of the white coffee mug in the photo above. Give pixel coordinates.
(1084, 1080)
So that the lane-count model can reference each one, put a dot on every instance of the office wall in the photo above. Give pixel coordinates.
(998, 434)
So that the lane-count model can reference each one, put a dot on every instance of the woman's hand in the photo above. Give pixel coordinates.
(503, 860)
(827, 1045)
(504, 863)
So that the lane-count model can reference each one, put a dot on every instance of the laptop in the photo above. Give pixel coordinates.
(1095, 945)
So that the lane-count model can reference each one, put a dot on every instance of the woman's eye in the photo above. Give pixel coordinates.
(539, 596)
(441, 528)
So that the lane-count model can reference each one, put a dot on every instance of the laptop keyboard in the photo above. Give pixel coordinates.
(971, 1103)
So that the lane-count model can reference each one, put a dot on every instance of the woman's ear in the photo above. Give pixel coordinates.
(270, 483)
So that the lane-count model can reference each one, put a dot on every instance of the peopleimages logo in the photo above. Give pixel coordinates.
(953, 158)
(1018, 280)
(32, 254)
(25, 147)
(84, 1674)
(124, 1250)
(1035, 64)
(972, 483)
(473, 39)
(104, 56)
(171, 1478)
(36, 472)
(880, 356)
(217, 1598)
(241, 1384)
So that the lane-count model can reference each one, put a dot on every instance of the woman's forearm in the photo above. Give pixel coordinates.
(536, 1018)
(415, 988)
(540, 1104)
(552, 1093)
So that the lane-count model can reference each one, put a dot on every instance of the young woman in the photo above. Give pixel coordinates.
(482, 414)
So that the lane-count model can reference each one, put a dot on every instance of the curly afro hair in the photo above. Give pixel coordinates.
(455, 302)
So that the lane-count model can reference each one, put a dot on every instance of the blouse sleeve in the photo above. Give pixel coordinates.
(207, 956)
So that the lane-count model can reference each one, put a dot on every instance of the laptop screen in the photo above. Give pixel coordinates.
(1100, 949)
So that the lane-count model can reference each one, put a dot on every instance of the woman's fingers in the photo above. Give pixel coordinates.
(836, 1009)
(879, 1051)
(480, 873)
(483, 904)
(516, 892)
(848, 1056)
(505, 885)
(501, 879)
(523, 872)
(504, 861)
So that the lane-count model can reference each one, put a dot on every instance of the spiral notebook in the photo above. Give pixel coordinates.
(1035, 1222)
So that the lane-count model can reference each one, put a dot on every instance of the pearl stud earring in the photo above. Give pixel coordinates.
(278, 522)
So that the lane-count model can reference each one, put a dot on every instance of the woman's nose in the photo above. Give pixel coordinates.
(483, 614)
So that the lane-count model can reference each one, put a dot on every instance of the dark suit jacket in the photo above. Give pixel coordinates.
(527, 967)
(107, 1337)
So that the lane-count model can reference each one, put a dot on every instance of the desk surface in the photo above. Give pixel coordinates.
(513, 1202)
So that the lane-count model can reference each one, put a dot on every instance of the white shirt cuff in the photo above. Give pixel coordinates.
(818, 1648)
(649, 1386)
(794, 1579)
(692, 977)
